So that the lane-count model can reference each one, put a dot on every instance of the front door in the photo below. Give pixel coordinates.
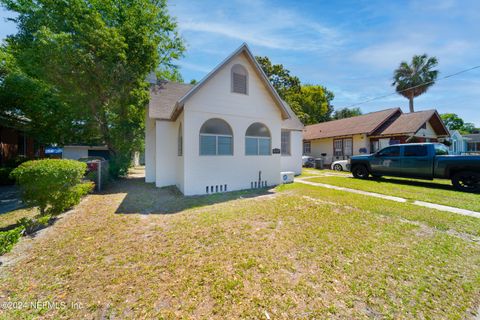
(387, 162)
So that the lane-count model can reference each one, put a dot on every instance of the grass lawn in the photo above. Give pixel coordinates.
(298, 252)
(437, 191)
(10, 218)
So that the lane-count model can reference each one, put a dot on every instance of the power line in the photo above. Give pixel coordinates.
(414, 87)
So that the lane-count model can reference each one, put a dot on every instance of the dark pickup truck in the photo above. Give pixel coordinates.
(421, 161)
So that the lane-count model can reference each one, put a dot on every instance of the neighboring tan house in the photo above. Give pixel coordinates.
(340, 139)
(231, 131)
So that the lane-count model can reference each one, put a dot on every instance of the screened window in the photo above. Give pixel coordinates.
(216, 138)
(286, 143)
(389, 152)
(415, 151)
(307, 147)
(180, 141)
(239, 79)
(257, 140)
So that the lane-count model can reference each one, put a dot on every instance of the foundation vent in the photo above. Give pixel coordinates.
(216, 188)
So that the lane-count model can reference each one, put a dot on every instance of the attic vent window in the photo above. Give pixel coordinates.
(239, 79)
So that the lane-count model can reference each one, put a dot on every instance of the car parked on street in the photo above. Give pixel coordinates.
(422, 161)
(340, 165)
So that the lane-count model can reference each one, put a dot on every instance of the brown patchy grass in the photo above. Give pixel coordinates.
(301, 252)
(10, 218)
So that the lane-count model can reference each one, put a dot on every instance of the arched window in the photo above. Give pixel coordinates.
(180, 140)
(239, 79)
(216, 138)
(257, 140)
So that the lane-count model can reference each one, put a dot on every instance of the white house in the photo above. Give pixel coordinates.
(458, 143)
(231, 131)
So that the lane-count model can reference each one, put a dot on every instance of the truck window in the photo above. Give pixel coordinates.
(415, 151)
(389, 152)
(441, 150)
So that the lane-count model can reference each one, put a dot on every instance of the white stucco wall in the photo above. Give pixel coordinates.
(293, 162)
(150, 135)
(215, 100)
(74, 152)
(166, 153)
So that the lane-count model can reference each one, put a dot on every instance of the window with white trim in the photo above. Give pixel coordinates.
(216, 138)
(307, 147)
(257, 140)
(285, 147)
(180, 140)
(239, 79)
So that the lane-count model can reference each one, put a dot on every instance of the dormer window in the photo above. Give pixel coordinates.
(239, 79)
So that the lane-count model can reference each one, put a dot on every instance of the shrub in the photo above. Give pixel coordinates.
(32, 225)
(51, 184)
(9, 238)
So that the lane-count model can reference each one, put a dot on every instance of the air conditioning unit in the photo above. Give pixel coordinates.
(287, 176)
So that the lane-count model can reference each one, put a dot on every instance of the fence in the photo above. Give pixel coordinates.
(98, 173)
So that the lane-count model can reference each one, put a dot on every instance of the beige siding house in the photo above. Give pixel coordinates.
(340, 139)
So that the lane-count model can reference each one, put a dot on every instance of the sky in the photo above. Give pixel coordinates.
(351, 47)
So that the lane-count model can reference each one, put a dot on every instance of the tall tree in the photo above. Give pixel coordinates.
(452, 121)
(280, 77)
(94, 55)
(311, 103)
(346, 113)
(414, 79)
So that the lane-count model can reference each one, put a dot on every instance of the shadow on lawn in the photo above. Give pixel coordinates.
(416, 183)
(145, 198)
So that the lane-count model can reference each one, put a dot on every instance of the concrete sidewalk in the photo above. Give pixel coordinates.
(392, 198)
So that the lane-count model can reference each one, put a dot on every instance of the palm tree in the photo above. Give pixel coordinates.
(414, 79)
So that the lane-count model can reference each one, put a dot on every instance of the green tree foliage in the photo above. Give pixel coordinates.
(346, 113)
(52, 185)
(280, 78)
(311, 103)
(453, 122)
(414, 79)
(93, 56)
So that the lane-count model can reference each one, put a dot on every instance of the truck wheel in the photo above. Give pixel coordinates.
(466, 181)
(360, 172)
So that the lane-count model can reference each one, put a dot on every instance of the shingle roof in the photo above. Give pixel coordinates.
(293, 123)
(366, 123)
(408, 122)
(164, 97)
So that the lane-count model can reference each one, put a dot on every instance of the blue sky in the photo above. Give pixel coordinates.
(351, 47)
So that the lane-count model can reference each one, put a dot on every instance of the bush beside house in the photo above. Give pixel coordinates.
(51, 185)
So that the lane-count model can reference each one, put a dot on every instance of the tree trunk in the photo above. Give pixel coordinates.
(410, 103)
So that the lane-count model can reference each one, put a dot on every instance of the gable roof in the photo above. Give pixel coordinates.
(163, 98)
(410, 123)
(364, 124)
(293, 123)
(168, 103)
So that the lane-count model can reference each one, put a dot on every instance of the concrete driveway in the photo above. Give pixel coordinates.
(9, 199)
